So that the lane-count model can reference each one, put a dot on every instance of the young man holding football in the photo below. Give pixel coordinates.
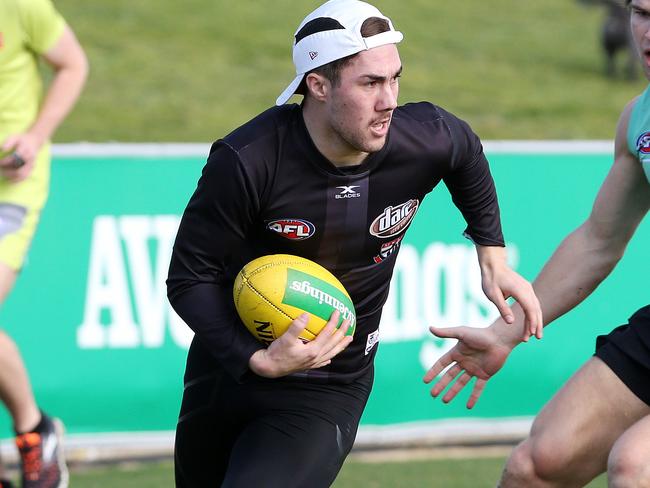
(288, 414)
(600, 419)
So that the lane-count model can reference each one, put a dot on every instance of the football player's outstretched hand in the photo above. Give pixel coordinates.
(479, 353)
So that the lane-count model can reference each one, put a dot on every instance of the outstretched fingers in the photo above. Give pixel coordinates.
(445, 379)
(437, 368)
(458, 386)
(460, 383)
(476, 392)
(447, 332)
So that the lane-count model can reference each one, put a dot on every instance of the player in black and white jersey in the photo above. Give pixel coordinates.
(337, 179)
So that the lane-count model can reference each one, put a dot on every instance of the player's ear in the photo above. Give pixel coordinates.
(317, 86)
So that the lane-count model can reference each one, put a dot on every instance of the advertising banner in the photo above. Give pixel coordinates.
(106, 352)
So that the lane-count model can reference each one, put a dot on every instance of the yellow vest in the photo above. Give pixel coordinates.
(28, 29)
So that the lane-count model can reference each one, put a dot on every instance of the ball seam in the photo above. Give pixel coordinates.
(269, 302)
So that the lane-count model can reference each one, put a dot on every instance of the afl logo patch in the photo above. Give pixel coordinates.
(294, 229)
(394, 220)
(643, 143)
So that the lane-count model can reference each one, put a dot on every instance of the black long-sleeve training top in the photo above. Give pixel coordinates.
(266, 189)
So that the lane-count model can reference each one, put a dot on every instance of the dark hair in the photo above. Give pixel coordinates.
(332, 71)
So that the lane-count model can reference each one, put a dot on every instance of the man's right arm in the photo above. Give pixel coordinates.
(581, 262)
(212, 233)
(589, 254)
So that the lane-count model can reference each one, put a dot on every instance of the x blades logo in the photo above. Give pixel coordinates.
(293, 229)
(347, 192)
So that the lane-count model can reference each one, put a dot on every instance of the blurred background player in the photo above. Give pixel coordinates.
(30, 30)
(600, 419)
(616, 39)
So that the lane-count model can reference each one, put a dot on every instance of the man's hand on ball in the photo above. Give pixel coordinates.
(289, 354)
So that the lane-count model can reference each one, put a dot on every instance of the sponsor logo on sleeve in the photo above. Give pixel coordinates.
(293, 229)
(643, 149)
(643, 143)
(394, 220)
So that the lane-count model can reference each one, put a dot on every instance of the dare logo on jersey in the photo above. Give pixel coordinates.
(643, 143)
(294, 229)
(394, 220)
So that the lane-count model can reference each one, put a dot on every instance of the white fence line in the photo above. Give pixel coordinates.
(133, 446)
(174, 149)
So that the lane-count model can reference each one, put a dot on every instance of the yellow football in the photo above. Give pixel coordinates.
(271, 291)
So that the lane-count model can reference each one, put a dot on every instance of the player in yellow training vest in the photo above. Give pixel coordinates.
(29, 30)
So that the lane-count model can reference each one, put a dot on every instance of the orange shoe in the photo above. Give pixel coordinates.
(42, 458)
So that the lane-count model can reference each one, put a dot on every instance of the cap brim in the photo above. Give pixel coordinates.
(290, 90)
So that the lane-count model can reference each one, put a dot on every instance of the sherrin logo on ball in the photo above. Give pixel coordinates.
(271, 291)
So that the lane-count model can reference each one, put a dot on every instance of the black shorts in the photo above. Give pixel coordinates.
(626, 350)
(264, 433)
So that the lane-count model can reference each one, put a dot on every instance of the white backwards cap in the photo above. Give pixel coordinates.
(331, 32)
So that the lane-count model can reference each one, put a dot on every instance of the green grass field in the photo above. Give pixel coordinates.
(438, 473)
(191, 71)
